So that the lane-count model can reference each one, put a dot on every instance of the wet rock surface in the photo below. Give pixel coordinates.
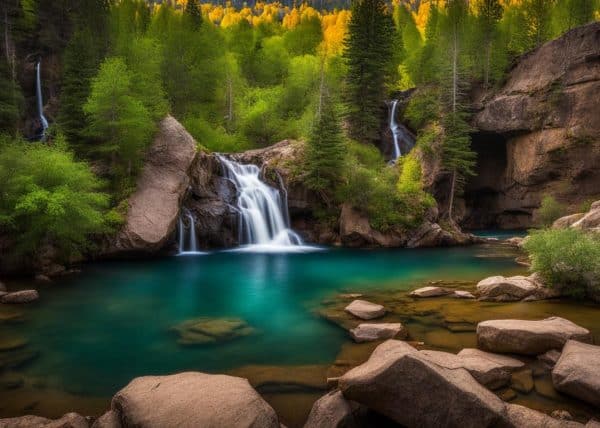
(20, 297)
(365, 310)
(381, 331)
(577, 372)
(203, 331)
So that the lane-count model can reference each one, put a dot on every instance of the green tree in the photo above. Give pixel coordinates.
(11, 100)
(48, 198)
(193, 15)
(369, 56)
(489, 13)
(325, 154)
(116, 118)
(537, 14)
(569, 14)
(305, 37)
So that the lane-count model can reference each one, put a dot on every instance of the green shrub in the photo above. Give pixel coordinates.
(549, 211)
(423, 108)
(48, 197)
(585, 206)
(567, 259)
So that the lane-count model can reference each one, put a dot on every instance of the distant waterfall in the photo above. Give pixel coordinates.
(188, 243)
(40, 101)
(396, 133)
(401, 135)
(263, 219)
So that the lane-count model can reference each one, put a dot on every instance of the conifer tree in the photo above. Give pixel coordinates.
(569, 14)
(489, 13)
(193, 14)
(369, 56)
(11, 100)
(326, 148)
(537, 14)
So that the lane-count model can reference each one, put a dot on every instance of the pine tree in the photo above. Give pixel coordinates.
(427, 69)
(11, 100)
(537, 15)
(324, 162)
(457, 157)
(193, 14)
(489, 13)
(369, 56)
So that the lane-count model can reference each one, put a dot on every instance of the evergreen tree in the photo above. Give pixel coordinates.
(427, 68)
(325, 151)
(457, 157)
(489, 13)
(569, 14)
(369, 56)
(537, 14)
(116, 118)
(193, 14)
(11, 100)
(80, 65)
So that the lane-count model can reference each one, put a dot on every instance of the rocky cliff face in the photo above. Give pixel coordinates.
(539, 134)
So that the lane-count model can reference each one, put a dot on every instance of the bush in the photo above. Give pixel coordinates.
(549, 211)
(423, 108)
(48, 198)
(567, 259)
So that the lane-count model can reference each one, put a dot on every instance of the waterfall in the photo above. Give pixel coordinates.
(40, 101)
(403, 138)
(263, 217)
(396, 133)
(188, 243)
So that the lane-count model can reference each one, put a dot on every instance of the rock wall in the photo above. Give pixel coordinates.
(539, 134)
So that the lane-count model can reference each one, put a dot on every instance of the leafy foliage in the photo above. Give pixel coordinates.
(567, 259)
(549, 211)
(48, 198)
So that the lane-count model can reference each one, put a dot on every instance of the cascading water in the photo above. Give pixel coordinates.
(263, 220)
(40, 101)
(188, 244)
(401, 135)
(395, 131)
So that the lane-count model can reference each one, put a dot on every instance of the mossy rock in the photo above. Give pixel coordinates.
(204, 331)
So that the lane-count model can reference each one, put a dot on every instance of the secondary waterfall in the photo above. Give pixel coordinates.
(395, 131)
(188, 244)
(401, 135)
(40, 101)
(263, 218)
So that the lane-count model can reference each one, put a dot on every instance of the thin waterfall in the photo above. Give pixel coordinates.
(40, 101)
(396, 133)
(188, 243)
(263, 219)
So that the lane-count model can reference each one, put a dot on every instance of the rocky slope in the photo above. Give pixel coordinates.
(539, 134)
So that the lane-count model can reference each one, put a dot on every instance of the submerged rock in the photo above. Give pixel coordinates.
(201, 331)
(154, 207)
(70, 420)
(11, 343)
(19, 297)
(430, 292)
(192, 399)
(577, 372)
(365, 310)
(522, 381)
(528, 337)
(462, 294)
(16, 359)
(371, 332)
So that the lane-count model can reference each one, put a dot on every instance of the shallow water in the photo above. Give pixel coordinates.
(97, 330)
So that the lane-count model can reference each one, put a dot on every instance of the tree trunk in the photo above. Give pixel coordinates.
(451, 201)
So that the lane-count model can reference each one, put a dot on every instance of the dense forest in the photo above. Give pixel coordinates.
(240, 77)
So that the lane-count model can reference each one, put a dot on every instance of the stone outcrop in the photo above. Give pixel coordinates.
(70, 420)
(538, 134)
(528, 337)
(192, 400)
(577, 372)
(153, 209)
(332, 411)
(20, 297)
(365, 310)
(514, 288)
(589, 221)
(430, 291)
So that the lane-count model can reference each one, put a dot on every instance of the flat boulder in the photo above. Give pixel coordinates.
(370, 332)
(192, 399)
(365, 310)
(528, 337)
(411, 389)
(153, 208)
(430, 291)
(567, 221)
(577, 372)
(462, 294)
(591, 220)
(503, 289)
(20, 297)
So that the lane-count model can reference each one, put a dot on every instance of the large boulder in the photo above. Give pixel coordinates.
(365, 310)
(356, 231)
(577, 372)
(538, 134)
(19, 297)
(502, 289)
(332, 411)
(401, 383)
(567, 221)
(153, 208)
(528, 337)
(591, 220)
(192, 400)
